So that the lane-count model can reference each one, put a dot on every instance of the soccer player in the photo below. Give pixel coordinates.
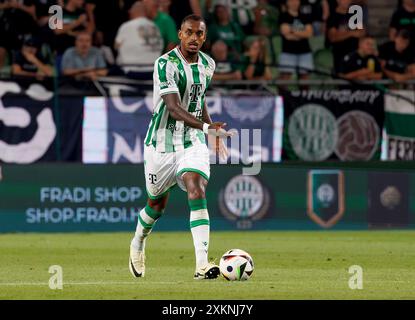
(175, 150)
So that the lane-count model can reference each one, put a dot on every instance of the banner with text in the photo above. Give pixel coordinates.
(77, 197)
(36, 125)
(400, 126)
(333, 124)
(114, 128)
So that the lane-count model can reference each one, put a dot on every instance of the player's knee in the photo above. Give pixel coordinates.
(196, 193)
(158, 204)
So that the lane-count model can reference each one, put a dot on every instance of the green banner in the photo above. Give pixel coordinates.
(76, 197)
(399, 126)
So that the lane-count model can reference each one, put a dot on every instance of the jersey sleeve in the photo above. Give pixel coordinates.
(165, 73)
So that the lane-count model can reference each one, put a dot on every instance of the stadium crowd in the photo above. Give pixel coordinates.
(256, 39)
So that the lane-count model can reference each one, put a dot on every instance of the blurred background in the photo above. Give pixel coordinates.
(334, 105)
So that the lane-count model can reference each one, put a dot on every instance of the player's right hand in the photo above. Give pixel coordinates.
(216, 129)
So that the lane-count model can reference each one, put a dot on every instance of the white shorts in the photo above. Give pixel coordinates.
(163, 170)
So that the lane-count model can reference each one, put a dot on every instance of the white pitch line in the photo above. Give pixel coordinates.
(98, 283)
(137, 282)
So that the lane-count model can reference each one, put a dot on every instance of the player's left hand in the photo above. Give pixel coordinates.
(216, 129)
(219, 147)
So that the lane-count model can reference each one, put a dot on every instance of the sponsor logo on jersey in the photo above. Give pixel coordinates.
(243, 200)
(195, 92)
(152, 178)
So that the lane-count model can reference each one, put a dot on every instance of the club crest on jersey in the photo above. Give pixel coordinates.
(174, 60)
(209, 71)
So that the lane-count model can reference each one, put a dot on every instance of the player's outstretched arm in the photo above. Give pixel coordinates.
(172, 102)
(219, 144)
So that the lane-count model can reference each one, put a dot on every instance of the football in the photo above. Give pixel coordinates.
(236, 265)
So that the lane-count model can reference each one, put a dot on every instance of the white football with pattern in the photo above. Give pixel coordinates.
(236, 265)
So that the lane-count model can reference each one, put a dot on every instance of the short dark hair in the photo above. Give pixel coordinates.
(193, 17)
(366, 36)
(404, 34)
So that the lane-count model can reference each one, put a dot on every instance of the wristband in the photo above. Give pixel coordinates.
(206, 128)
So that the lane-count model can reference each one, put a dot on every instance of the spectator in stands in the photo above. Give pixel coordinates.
(242, 13)
(46, 35)
(403, 18)
(75, 21)
(164, 22)
(29, 62)
(139, 44)
(296, 29)
(98, 12)
(84, 61)
(254, 61)
(342, 39)
(18, 20)
(23, 15)
(362, 64)
(329, 8)
(98, 42)
(396, 58)
(225, 69)
(223, 28)
(42, 10)
(182, 8)
(125, 8)
(266, 19)
(314, 9)
(164, 6)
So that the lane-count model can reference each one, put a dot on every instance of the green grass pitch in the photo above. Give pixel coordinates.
(288, 265)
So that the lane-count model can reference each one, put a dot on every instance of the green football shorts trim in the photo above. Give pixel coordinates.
(160, 195)
(204, 175)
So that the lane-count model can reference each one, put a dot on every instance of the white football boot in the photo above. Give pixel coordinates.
(208, 271)
(137, 263)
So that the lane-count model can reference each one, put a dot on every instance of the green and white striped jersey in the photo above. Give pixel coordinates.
(173, 74)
